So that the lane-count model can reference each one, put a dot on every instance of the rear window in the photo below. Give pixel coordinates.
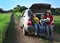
(29, 13)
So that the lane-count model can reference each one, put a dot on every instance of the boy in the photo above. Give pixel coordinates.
(36, 24)
(43, 25)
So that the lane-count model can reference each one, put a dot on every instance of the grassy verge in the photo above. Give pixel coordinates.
(10, 35)
(17, 15)
(4, 22)
(57, 24)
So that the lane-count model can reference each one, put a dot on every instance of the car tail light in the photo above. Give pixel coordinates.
(29, 22)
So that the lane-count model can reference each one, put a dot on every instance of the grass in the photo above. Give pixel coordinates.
(4, 22)
(17, 15)
(10, 35)
(57, 23)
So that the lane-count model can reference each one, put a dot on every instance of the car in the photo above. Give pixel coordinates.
(25, 19)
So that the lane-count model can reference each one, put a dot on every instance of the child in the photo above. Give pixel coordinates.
(50, 24)
(36, 24)
(43, 25)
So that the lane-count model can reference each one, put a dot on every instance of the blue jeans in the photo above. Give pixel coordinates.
(50, 31)
(37, 28)
(42, 29)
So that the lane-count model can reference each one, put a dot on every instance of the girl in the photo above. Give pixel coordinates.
(50, 24)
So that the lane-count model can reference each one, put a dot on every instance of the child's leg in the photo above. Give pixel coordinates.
(43, 29)
(36, 28)
(47, 29)
(40, 29)
(51, 31)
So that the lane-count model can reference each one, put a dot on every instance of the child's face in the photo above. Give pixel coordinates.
(47, 14)
(34, 15)
(42, 16)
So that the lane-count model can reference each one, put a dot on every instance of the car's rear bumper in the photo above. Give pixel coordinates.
(30, 29)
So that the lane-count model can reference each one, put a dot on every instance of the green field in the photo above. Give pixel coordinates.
(57, 23)
(4, 22)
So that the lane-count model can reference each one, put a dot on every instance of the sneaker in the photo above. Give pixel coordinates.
(35, 33)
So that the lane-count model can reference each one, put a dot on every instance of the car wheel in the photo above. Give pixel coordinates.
(21, 27)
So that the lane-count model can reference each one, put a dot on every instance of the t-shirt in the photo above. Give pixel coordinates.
(43, 21)
(36, 20)
(51, 19)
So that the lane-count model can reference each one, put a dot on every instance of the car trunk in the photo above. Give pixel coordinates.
(40, 9)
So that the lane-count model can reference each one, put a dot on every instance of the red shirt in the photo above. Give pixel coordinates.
(51, 19)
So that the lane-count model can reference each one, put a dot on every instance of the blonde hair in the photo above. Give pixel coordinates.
(48, 11)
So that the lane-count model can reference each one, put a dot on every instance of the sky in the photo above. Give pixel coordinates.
(10, 4)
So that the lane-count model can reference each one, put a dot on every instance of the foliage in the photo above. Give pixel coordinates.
(4, 22)
(57, 24)
(19, 8)
(17, 15)
(55, 11)
(23, 8)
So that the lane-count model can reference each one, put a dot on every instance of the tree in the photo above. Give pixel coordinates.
(0, 10)
(17, 8)
(57, 11)
(23, 8)
(53, 11)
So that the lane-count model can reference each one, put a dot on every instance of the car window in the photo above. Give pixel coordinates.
(29, 13)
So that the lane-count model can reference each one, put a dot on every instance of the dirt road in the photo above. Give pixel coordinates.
(32, 39)
(29, 39)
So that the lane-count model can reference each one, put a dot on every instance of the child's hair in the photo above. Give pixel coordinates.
(48, 11)
(42, 16)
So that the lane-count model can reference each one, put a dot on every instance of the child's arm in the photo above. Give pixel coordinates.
(48, 19)
(42, 21)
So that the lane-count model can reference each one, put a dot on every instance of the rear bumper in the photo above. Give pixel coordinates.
(30, 29)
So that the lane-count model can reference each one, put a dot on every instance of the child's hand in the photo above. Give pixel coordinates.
(48, 19)
(53, 22)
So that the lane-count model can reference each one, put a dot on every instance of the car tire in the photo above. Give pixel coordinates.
(21, 27)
